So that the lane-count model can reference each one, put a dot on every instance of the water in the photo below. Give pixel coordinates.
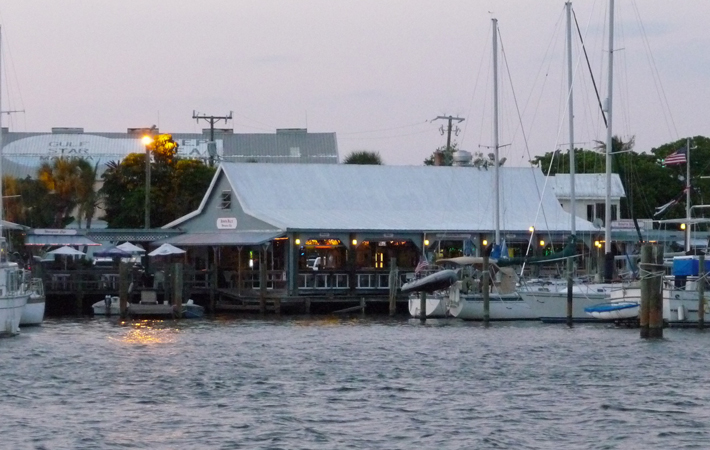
(351, 383)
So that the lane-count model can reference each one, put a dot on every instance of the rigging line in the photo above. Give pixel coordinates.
(386, 129)
(525, 140)
(384, 137)
(591, 74)
(656, 76)
(475, 88)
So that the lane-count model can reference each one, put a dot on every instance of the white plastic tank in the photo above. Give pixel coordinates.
(462, 158)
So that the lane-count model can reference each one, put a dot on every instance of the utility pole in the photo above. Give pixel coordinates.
(211, 146)
(437, 156)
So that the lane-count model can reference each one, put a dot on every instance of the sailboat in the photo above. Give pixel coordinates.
(13, 293)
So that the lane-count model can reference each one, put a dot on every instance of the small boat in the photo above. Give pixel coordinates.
(436, 306)
(614, 310)
(109, 306)
(33, 312)
(436, 281)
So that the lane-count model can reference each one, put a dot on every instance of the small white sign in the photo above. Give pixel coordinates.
(226, 223)
(55, 231)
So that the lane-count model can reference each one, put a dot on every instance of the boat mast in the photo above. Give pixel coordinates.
(608, 257)
(687, 194)
(495, 130)
(570, 119)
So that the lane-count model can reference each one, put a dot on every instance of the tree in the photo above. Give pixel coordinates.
(87, 196)
(448, 155)
(177, 186)
(62, 179)
(363, 157)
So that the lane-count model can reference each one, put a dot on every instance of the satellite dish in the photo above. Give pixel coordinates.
(598, 223)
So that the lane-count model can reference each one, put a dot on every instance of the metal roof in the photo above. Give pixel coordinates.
(223, 238)
(417, 198)
(587, 186)
(24, 151)
(48, 239)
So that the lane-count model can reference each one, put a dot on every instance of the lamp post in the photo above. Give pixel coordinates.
(147, 140)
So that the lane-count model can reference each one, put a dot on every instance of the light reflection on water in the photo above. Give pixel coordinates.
(350, 382)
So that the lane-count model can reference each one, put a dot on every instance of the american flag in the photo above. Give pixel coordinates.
(677, 157)
(423, 264)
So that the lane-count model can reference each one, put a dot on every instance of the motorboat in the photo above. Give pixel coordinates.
(109, 306)
(148, 307)
(13, 293)
(681, 299)
(33, 312)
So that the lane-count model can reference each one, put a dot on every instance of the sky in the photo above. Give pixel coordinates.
(375, 72)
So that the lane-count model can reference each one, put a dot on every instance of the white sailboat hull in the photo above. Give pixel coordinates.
(33, 312)
(435, 307)
(11, 307)
(501, 307)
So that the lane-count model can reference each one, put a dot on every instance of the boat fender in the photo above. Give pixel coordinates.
(681, 312)
(466, 285)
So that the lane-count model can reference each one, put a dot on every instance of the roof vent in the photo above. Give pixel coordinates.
(462, 158)
(67, 130)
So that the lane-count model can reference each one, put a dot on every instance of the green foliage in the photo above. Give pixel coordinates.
(177, 186)
(647, 183)
(448, 159)
(363, 157)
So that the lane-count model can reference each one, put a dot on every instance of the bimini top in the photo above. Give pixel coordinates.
(405, 198)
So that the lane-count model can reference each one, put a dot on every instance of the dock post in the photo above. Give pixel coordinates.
(393, 286)
(362, 305)
(701, 292)
(124, 273)
(214, 278)
(646, 254)
(307, 305)
(655, 305)
(422, 306)
(79, 294)
(178, 289)
(486, 291)
(570, 285)
(262, 280)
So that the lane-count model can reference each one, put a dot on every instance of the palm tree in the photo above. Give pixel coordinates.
(61, 178)
(87, 197)
(363, 157)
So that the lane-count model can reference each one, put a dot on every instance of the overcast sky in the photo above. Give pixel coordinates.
(374, 72)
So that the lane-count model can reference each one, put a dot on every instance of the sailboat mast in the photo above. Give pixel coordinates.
(2, 217)
(687, 194)
(608, 267)
(570, 119)
(495, 129)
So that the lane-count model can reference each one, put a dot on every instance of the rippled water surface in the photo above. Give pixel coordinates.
(351, 383)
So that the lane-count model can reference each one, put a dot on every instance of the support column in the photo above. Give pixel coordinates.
(701, 291)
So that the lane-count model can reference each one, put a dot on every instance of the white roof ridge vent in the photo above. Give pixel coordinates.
(67, 130)
(292, 131)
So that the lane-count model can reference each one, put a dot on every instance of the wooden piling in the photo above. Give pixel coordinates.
(307, 305)
(393, 286)
(570, 270)
(655, 305)
(124, 280)
(178, 289)
(262, 280)
(485, 282)
(362, 305)
(646, 254)
(701, 292)
(214, 279)
(79, 305)
(422, 306)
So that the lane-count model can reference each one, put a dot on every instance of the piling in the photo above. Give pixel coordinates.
(701, 292)
(422, 306)
(79, 305)
(646, 254)
(485, 282)
(570, 270)
(178, 289)
(124, 280)
(362, 306)
(393, 286)
(262, 280)
(651, 309)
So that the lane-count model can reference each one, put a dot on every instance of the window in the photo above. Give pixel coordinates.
(226, 200)
(590, 213)
(614, 216)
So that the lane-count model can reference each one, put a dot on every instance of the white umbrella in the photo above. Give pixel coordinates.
(66, 250)
(166, 249)
(130, 248)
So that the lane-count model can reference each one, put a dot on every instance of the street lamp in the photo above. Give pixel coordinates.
(147, 140)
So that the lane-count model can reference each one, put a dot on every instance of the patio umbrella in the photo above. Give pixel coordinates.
(166, 249)
(113, 252)
(130, 248)
(67, 251)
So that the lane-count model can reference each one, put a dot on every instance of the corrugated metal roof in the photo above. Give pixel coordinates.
(42, 239)
(417, 198)
(24, 152)
(587, 186)
(223, 238)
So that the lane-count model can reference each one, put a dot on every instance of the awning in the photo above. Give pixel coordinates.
(13, 226)
(223, 238)
(46, 239)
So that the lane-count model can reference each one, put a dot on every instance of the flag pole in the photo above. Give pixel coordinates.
(687, 194)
